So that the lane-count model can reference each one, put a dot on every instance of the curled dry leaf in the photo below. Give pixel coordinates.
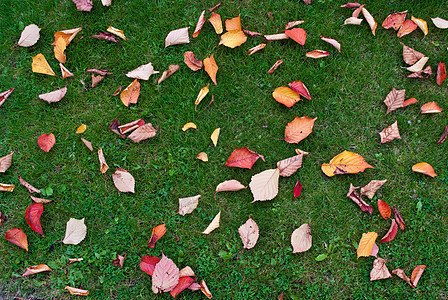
(317, 54)
(441, 73)
(394, 100)
(117, 32)
(106, 36)
(301, 239)
(142, 133)
(264, 185)
(128, 127)
(103, 165)
(202, 93)
(143, 72)
(444, 136)
(290, 165)
(40, 65)
(215, 135)
(199, 24)
(332, 42)
(297, 34)
(2, 218)
(299, 87)
(184, 282)
(398, 218)
(291, 24)
(187, 271)
(17, 237)
(425, 73)
(32, 216)
(416, 274)
(243, 158)
(418, 66)
(75, 231)
(106, 2)
(411, 56)
(54, 96)
(46, 141)
(256, 48)
(187, 205)
(229, 186)
(356, 197)
(298, 129)
(251, 33)
(171, 70)
(130, 93)
(188, 126)
(4, 187)
(370, 20)
(297, 189)
(119, 261)
(30, 35)
(37, 269)
(400, 273)
(123, 181)
(345, 163)
(83, 5)
(68, 35)
(410, 101)
(211, 67)
(148, 264)
(87, 143)
(40, 200)
(353, 21)
(117, 91)
(440, 23)
(28, 186)
(366, 244)
(65, 72)
(370, 189)
(4, 95)
(424, 168)
(275, 37)
(379, 270)
(176, 37)
(202, 156)
(96, 80)
(249, 233)
(157, 233)
(375, 250)
(59, 50)
(275, 66)
(216, 22)
(390, 235)
(286, 96)
(191, 61)
(205, 290)
(102, 72)
(390, 133)
(430, 108)
(350, 5)
(76, 291)
(407, 27)
(5, 162)
(234, 24)
(212, 9)
(214, 224)
(395, 20)
(421, 24)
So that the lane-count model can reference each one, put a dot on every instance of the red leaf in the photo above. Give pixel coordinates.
(398, 218)
(243, 158)
(297, 189)
(441, 73)
(384, 209)
(157, 233)
(390, 235)
(32, 216)
(297, 34)
(184, 282)
(148, 264)
(357, 198)
(299, 87)
(17, 237)
(46, 141)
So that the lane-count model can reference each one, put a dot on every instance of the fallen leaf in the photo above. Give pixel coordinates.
(301, 239)
(123, 181)
(234, 24)
(370, 189)
(307, 2)
(184, 282)
(37, 269)
(143, 72)
(40, 65)
(390, 133)
(229, 186)
(317, 54)
(157, 233)
(286, 96)
(299, 87)
(191, 61)
(407, 27)
(256, 48)
(297, 189)
(65, 72)
(275, 66)
(275, 37)
(176, 37)
(202, 93)
(117, 91)
(375, 250)
(187, 271)
(416, 274)
(128, 127)
(441, 73)
(353, 21)
(424, 168)
(199, 24)
(356, 197)
(29, 36)
(214, 224)
(215, 135)
(130, 93)
(370, 20)
(28, 186)
(2, 218)
(32, 216)
(290, 25)
(430, 108)
(398, 218)
(251, 33)
(87, 143)
(351, 5)
(68, 35)
(106, 36)
(264, 185)
(106, 2)
(394, 100)
(366, 244)
(103, 72)
(211, 67)
(332, 42)
(290, 165)
(83, 5)
(379, 270)
(5, 95)
(444, 136)
(5, 162)
(46, 141)
(59, 49)
(205, 290)
(425, 73)
(390, 235)
(249, 233)
(142, 133)
(7, 187)
(188, 126)
(410, 101)
(215, 7)
(440, 23)
(187, 205)
(119, 261)
(298, 129)
(395, 20)
(17, 237)
(103, 165)
(400, 273)
(40, 200)
(411, 56)
(171, 70)
(75, 291)
(117, 32)
(216, 22)
(96, 80)
(418, 66)
(202, 156)
(243, 158)
(297, 34)
(82, 128)
(54, 96)
(421, 24)
(148, 264)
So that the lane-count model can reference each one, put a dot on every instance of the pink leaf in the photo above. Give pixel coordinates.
(297, 189)
(165, 276)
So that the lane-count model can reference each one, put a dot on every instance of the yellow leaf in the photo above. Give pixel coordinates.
(77, 292)
(211, 67)
(40, 65)
(214, 224)
(366, 244)
(345, 163)
(188, 126)
(81, 129)
(233, 39)
(130, 93)
(421, 24)
(215, 19)
(59, 49)
(215, 136)
(117, 32)
(202, 93)
(286, 96)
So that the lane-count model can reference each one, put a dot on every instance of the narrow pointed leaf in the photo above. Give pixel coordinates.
(4, 95)
(211, 67)
(157, 233)
(390, 235)
(214, 224)
(199, 24)
(37, 269)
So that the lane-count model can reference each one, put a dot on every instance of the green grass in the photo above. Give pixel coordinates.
(348, 92)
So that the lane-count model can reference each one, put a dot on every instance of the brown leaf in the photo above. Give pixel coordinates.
(5, 95)
(157, 233)
(205, 290)
(2, 218)
(395, 20)
(289, 166)
(28, 186)
(249, 233)
(32, 217)
(36, 269)
(119, 261)
(187, 205)
(5, 162)
(390, 133)
(17, 237)
(444, 135)
(353, 194)
(411, 56)
(234, 24)
(350, 5)
(441, 73)
(264, 185)
(103, 165)
(54, 96)
(299, 87)
(317, 54)
(40, 200)
(87, 143)
(106, 36)
(75, 291)
(176, 37)
(298, 129)
(370, 189)
(211, 67)
(83, 5)
(99, 72)
(216, 22)
(394, 100)
(297, 34)
(191, 61)
(400, 273)
(123, 181)
(73, 260)
(275, 37)
(307, 2)
(290, 25)
(128, 127)
(379, 270)
(301, 239)
(430, 108)
(130, 93)
(398, 218)
(142, 133)
(96, 80)
(407, 27)
(275, 66)
(243, 158)
(251, 33)
(416, 274)
(256, 48)
(199, 24)
(171, 70)
(215, 7)
(390, 235)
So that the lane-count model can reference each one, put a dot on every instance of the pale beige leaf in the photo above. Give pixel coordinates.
(216, 22)
(188, 126)
(28, 186)
(117, 32)
(5, 162)
(176, 37)
(214, 224)
(106, 2)
(187, 205)
(215, 135)
(103, 165)
(123, 181)
(332, 42)
(301, 239)
(202, 156)
(418, 66)
(72, 260)
(128, 127)
(65, 72)
(171, 70)
(143, 72)
(87, 143)
(229, 186)
(187, 271)
(264, 185)
(30, 35)
(366, 244)
(370, 20)
(54, 96)
(256, 48)
(394, 100)
(142, 133)
(379, 270)
(290, 165)
(440, 23)
(411, 56)
(75, 232)
(290, 25)
(353, 21)
(40, 200)
(77, 292)
(36, 269)
(249, 233)
(370, 189)
(275, 37)
(390, 133)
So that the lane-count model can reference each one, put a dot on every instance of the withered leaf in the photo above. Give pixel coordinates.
(301, 239)
(68, 35)
(5, 162)
(390, 133)
(143, 72)
(249, 233)
(131, 93)
(275, 66)
(75, 232)
(117, 91)
(119, 261)
(96, 80)
(36, 269)
(199, 24)
(353, 21)
(76, 291)
(264, 185)
(4, 187)
(416, 274)
(286, 96)
(215, 7)
(32, 216)
(299, 87)
(123, 181)
(390, 235)
(398, 218)
(88, 144)
(117, 32)
(291, 24)
(187, 271)
(290, 165)
(407, 27)
(409, 101)
(100, 72)
(440, 23)
(40, 200)
(256, 48)
(157, 233)
(298, 129)
(379, 270)
(350, 5)
(345, 163)
(54, 96)
(411, 56)
(17, 237)
(214, 224)
(106, 36)
(187, 205)
(251, 33)
(370, 189)
(370, 20)
(234, 24)
(202, 156)
(177, 36)
(400, 273)
(40, 65)
(317, 54)
(128, 127)
(211, 67)
(205, 290)
(430, 108)
(395, 20)
(29, 36)
(424, 168)
(184, 282)
(142, 133)
(191, 61)
(5, 95)
(229, 186)
(28, 186)
(83, 5)
(216, 22)
(444, 135)
(353, 194)
(394, 100)
(65, 72)
(103, 165)
(332, 42)
(171, 70)
(441, 73)
(275, 37)
(418, 66)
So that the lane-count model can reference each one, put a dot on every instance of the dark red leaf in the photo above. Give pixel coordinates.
(390, 235)
(148, 264)
(297, 189)
(444, 135)
(398, 218)
(184, 282)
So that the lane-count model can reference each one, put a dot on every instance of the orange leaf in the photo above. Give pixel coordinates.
(157, 233)
(46, 141)
(234, 24)
(130, 93)
(59, 49)
(411, 56)
(233, 39)
(216, 22)
(148, 264)
(40, 65)
(191, 61)
(394, 100)
(407, 27)
(243, 158)
(32, 216)
(205, 290)
(68, 35)
(441, 73)
(416, 274)
(395, 20)
(286, 96)
(317, 54)
(366, 244)
(4, 187)
(298, 129)
(297, 34)
(199, 24)
(424, 168)
(256, 48)
(299, 87)
(345, 163)
(430, 108)
(390, 235)
(17, 237)
(36, 269)
(410, 101)
(211, 67)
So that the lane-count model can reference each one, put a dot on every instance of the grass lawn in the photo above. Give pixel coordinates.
(347, 98)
